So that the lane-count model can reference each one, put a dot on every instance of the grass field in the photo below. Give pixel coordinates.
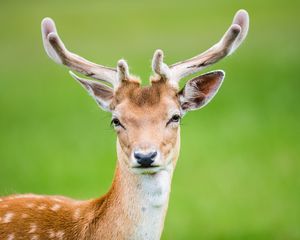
(238, 175)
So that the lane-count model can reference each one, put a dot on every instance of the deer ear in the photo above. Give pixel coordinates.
(198, 91)
(102, 94)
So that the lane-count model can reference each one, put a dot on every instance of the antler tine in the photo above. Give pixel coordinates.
(57, 51)
(241, 18)
(158, 65)
(123, 70)
(230, 41)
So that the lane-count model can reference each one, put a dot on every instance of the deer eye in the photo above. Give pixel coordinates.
(174, 119)
(116, 122)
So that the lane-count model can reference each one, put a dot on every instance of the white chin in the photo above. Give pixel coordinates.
(149, 170)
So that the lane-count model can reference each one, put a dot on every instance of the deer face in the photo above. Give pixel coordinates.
(146, 119)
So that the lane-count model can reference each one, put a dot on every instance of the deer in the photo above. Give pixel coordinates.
(146, 120)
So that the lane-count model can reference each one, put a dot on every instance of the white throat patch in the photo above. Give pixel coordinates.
(154, 193)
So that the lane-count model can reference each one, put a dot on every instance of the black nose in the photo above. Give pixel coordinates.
(145, 159)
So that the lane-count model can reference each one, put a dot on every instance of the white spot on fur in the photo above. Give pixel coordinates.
(42, 207)
(11, 236)
(32, 228)
(55, 207)
(7, 217)
(51, 233)
(77, 214)
(58, 199)
(22, 196)
(30, 205)
(25, 196)
(58, 234)
(34, 237)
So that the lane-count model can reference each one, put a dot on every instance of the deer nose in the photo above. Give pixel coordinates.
(145, 159)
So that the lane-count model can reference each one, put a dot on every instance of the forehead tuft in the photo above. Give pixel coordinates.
(144, 96)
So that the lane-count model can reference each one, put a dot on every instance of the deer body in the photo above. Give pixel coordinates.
(134, 208)
(146, 120)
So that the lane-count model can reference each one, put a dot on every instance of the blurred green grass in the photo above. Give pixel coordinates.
(238, 173)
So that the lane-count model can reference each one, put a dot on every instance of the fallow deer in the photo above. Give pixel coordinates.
(146, 120)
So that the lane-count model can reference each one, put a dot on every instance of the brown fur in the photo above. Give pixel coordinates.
(141, 96)
(40, 211)
(101, 218)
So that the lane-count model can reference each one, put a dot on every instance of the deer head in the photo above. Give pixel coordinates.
(146, 119)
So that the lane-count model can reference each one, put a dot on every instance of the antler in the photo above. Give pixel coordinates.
(230, 41)
(159, 67)
(59, 54)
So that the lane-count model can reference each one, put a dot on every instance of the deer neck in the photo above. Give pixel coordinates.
(136, 204)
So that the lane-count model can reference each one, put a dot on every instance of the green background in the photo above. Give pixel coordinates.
(238, 176)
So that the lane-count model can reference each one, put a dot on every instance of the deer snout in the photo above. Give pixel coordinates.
(145, 160)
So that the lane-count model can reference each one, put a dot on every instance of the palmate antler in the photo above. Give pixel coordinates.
(230, 41)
